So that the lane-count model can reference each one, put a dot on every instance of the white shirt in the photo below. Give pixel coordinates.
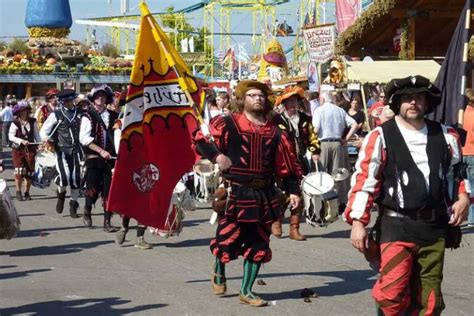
(86, 128)
(6, 114)
(25, 126)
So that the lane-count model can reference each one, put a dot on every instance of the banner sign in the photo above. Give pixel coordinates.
(320, 42)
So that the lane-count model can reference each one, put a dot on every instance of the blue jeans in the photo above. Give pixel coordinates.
(470, 174)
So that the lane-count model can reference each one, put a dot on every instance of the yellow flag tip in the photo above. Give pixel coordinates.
(144, 9)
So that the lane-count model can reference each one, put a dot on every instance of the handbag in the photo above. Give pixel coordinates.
(219, 201)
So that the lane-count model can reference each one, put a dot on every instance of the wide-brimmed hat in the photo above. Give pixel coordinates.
(288, 93)
(246, 85)
(51, 93)
(20, 106)
(81, 98)
(412, 85)
(109, 93)
(67, 95)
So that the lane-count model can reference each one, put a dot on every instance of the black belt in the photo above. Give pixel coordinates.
(330, 140)
(425, 214)
(257, 184)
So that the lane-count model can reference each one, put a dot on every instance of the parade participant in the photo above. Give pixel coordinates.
(47, 108)
(6, 115)
(251, 152)
(405, 166)
(468, 149)
(62, 129)
(122, 233)
(330, 123)
(376, 110)
(23, 133)
(223, 102)
(299, 127)
(82, 103)
(96, 137)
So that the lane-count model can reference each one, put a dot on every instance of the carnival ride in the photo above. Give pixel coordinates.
(222, 21)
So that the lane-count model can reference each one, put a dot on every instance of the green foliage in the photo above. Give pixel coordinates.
(19, 46)
(3, 46)
(178, 22)
(110, 50)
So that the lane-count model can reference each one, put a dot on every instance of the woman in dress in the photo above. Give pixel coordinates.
(23, 133)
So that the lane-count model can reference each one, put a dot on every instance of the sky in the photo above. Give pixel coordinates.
(12, 16)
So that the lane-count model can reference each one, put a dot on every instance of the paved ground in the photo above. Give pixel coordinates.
(57, 267)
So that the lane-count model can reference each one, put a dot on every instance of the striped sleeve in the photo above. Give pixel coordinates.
(367, 179)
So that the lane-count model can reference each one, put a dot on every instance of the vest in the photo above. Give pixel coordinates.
(252, 153)
(401, 170)
(66, 137)
(100, 132)
(30, 135)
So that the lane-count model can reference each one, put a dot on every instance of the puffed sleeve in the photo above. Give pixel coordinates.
(287, 166)
(211, 148)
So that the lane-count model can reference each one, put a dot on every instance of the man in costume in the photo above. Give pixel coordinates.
(406, 166)
(47, 108)
(62, 129)
(299, 127)
(23, 133)
(96, 137)
(251, 152)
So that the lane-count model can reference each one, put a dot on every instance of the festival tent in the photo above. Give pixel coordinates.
(384, 71)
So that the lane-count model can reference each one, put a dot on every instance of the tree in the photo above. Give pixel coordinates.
(19, 46)
(110, 50)
(177, 22)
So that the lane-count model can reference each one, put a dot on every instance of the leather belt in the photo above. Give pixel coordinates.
(425, 214)
(330, 140)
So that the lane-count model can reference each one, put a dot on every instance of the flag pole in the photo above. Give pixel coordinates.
(172, 63)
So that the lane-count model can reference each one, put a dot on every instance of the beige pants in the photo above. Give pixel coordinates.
(334, 156)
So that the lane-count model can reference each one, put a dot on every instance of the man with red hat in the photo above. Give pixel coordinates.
(252, 153)
(299, 127)
(48, 107)
(408, 166)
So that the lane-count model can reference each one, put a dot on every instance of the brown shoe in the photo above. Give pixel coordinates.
(295, 228)
(276, 228)
(252, 300)
(217, 289)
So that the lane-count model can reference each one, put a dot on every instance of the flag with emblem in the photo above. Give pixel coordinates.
(160, 116)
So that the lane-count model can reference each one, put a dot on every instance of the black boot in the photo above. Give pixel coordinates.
(27, 196)
(19, 197)
(107, 225)
(87, 216)
(60, 202)
(73, 206)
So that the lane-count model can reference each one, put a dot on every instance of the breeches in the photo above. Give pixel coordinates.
(410, 279)
(69, 169)
(251, 240)
(98, 182)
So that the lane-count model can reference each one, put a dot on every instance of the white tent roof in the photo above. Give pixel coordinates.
(384, 71)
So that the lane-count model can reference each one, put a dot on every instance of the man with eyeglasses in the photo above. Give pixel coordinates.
(252, 153)
(407, 166)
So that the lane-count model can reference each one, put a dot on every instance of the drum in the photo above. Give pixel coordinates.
(320, 199)
(181, 202)
(9, 220)
(45, 169)
(206, 180)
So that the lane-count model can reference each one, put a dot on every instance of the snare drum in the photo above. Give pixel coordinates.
(45, 169)
(319, 198)
(206, 180)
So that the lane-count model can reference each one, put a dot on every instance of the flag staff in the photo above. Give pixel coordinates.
(172, 63)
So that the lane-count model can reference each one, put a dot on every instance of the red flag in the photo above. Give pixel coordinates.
(155, 148)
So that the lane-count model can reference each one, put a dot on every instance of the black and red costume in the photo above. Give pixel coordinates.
(259, 155)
